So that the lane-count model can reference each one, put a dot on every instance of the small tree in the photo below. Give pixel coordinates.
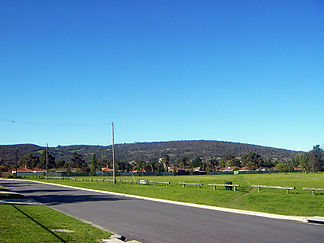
(174, 170)
(93, 165)
(78, 161)
(214, 164)
(208, 168)
(139, 167)
(29, 161)
(51, 160)
(166, 162)
(197, 162)
(252, 160)
(183, 162)
(315, 161)
(68, 170)
(285, 167)
(61, 164)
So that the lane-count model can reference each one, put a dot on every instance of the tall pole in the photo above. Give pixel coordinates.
(46, 158)
(16, 161)
(113, 153)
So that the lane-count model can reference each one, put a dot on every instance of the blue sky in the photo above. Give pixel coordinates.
(239, 71)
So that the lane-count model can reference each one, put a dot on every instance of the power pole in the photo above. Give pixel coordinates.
(113, 153)
(46, 158)
(16, 161)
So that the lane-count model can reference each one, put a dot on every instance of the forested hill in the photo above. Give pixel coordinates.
(148, 151)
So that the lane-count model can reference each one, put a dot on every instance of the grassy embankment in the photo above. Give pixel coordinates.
(298, 202)
(38, 223)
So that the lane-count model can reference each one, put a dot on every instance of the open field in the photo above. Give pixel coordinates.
(298, 202)
(38, 223)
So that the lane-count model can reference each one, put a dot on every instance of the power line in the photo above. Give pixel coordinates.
(51, 123)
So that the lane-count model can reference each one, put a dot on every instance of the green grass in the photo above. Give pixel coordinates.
(38, 223)
(298, 202)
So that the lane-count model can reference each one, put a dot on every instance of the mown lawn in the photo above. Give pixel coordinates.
(298, 202)
(38, 223)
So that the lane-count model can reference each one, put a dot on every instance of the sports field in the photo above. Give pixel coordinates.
(298, 202)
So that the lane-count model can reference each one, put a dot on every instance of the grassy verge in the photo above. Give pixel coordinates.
(38, 223)
(298, 202)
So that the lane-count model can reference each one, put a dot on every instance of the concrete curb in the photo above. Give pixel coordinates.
(20, 201)
(228, 210)
(316, 220)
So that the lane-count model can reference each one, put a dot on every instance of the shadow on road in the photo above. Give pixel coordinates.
(42, 190)
(52, 200)
(56, 196)
(13, 184)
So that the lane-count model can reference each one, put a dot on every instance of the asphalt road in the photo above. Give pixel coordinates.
(149, 221)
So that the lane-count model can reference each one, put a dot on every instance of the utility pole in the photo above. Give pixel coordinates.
(46, 158)
(113, 153)
(16, 161)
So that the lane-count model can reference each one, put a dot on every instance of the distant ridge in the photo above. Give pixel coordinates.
(150, 150)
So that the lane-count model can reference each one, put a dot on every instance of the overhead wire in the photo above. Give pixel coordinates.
(52, 123)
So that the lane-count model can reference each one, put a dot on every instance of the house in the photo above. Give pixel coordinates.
(29, 172)
(227, 169)
(106, 169)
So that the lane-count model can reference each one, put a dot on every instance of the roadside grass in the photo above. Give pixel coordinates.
(298, 202)
(38, 223)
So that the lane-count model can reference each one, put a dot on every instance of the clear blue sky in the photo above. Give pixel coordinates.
(239, 71)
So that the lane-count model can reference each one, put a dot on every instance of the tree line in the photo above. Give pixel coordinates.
(311, 161)
(148, 151)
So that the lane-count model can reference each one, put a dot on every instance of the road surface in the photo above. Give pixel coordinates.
(150, 221)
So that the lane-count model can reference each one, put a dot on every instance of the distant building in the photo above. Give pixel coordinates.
(29, 172)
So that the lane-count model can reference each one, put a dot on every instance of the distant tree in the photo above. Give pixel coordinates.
(50, 163)
(174, 170)
(159, 168)
(93, 165)
(197, 162)
(77, 161)
(285, 167)
(234, 162)
(61, 164)
(139, 165)
(303, 160)
(222, 163)
(124, 166)
(250, 165)
(316, 159)
(104, 162)
(68, 169)
(208, 167)
(228, 157)
(85, 169)
(183, 162)
(268, 163)
(29, 161)
(148, 167)
(214, 164)
(166, 162)
(252, 160)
